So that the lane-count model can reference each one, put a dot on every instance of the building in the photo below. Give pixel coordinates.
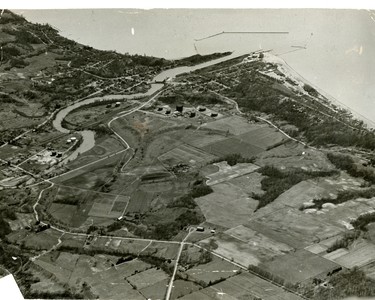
(214, 114)
(179, 107)
(200, 228)
(117, 104)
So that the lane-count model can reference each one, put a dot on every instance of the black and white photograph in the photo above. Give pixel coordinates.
(194, 153)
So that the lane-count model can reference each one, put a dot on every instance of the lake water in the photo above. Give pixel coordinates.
(339, 43)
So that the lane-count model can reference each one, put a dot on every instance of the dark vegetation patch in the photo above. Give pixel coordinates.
(363, 220)
(193, 99)
(344, 242)
(346, 163)
(233, 159)
(67, 200)
(344, 196)
(198, 59)
(345, 284)
(277, 182)
(256, 92)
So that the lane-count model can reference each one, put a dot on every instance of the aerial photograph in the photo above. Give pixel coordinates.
(187, 154)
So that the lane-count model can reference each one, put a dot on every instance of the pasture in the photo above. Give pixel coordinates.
(147, 278)
(227, 172)
(234, 125)
(299, 266)
(243, 286)
(104, 146)
(233, 145)
(264, 137)
(359, 254)
(293, 227)
(227, 206)
(213, 271)
(186, 154)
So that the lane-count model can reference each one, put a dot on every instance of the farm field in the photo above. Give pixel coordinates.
(87, 176)
(140, 202)
(293, 227)
(202, 138)
(103, 147)
(226, 172)
(233, 145)
(243, 286)
(213, 271)
(86, 204)
(105, 280)
(147, 278)
(299, 266)
(227, 206)
(263, 137)
(249, 183)
(186, 154)
(248, 247)
(294, 155)
(234, 124)
(359, 254)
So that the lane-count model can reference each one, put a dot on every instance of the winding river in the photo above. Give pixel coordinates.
(88, 139)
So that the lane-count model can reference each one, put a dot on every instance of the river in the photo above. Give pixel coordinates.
(88, 137)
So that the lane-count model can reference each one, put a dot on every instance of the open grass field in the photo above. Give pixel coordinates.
(147, 278)
(182, 288)
(262, 137)
(91, 207)
(44, 240)
(202, 138)
(157, 290)
(125, 246)
(294, 155)
(145, 122)
(22, 221)
(231, 146)
(108, 206)
(359, 254)
(248, 247)
(293, 227)
(186, 154)
(249, 183)
(105, 279)
(88, 176)
(262, 245)
(243, 286)
(140, 202)
(369, 270)
(103, 147)
(212, 271)
(227, 206)
(299, 266)
(234, 124)
(227, 172)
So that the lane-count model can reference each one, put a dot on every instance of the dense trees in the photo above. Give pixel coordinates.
(344, 196)
(347, 283)
(276, 182)
(346, 163)
(233, 159)
(319, 124)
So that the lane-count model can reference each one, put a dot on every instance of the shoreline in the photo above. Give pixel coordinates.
(369, 124)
